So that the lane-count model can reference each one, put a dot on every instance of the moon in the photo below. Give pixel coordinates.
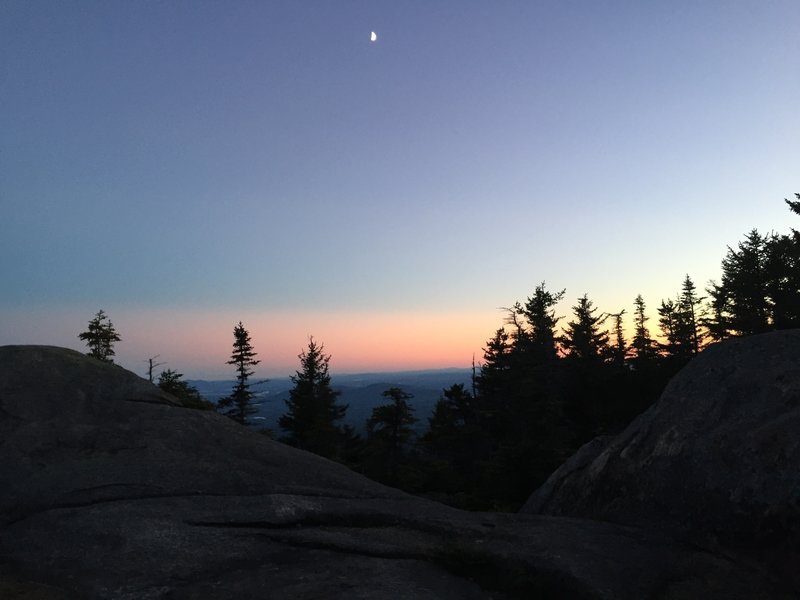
(373, 36)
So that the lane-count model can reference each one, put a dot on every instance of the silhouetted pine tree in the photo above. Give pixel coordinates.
(647, 378)
(312, 414)
(642, 346)
(668, 323)
(173, 383)
(389, 435)
(583, 339)
(494, 372)
(619, 348)
(239, 404)
(539, 342)
(519, 400)
(715, 313)
(782, 275)
(744, 286)
(100, 337)
(794, 206)
(760, 285)
(688, 323)
(454, 413)
(454, 445)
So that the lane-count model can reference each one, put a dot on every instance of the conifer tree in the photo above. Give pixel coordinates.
(689, 306)
(782, 274)
(541, 319)
(239, 404)
(583, 339)
(744, 283)
(312, 414)
(455, 444)
(648, 375)
(100, 337)
(643, 346)
(715, 315)
(389, 432)
(454, 413)
(760, 285)
(668, 322)
(678, 330)
(782, 280)
(619, 349)
(393, 421)
(512, 359)
(496, 364)
(794, 205)
(173, 383)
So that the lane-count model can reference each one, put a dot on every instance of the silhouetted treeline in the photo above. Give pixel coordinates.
(549, 383)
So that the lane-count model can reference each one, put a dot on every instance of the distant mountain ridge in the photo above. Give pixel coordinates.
(360, 391)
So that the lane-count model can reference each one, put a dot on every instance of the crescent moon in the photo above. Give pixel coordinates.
(373, 36)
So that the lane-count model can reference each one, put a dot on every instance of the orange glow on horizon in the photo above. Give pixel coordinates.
(198, 343)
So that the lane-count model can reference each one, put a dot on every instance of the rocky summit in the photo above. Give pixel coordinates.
(715, 462)
(110, 489)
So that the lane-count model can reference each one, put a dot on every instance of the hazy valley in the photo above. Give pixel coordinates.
(360, 391)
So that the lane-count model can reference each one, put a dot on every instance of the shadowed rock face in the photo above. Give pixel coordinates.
(716, 460)
(110, 489)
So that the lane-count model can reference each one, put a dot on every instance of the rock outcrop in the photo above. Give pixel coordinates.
(716, 461)
(110, 489)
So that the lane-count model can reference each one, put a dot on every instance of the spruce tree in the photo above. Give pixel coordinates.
(583, 339)
(647, 378)
(760, 285)
(100, 337)
(642, 345)
(782, 280)
(541, 319)
(782, 274)
(455, 444)
(619, 349)
(677, 329)
(173, 383)
(794, 205)
(668, 323)
(389, 433)
(513, 359)
(393, 421)
(689, 307)
(715, 317)
(239, 404)
(744, 282)
(454, 413)
(312, 414)
(496, 363)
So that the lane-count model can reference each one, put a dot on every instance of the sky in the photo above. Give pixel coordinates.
(188, 165)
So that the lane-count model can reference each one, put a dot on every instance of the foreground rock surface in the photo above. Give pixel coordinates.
(715, 461)
(110, 489)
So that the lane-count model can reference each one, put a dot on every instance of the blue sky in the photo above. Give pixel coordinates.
(205, 162)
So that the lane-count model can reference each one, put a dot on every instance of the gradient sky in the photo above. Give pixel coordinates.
(186, 165)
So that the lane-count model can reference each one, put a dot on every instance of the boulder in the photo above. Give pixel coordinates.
(110, 489)
(716, 461)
